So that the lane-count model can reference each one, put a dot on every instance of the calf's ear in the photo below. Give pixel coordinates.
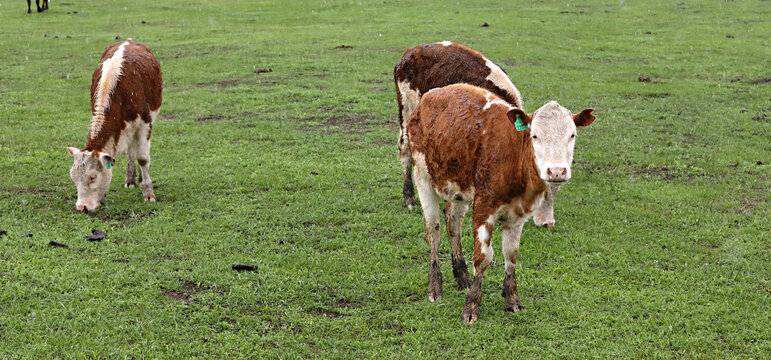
(584, 118)
(517, 114)
(72, 151)
(106, 160)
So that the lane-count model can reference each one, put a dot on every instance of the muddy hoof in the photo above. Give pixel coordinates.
(409, 203)
(514, 308)
(150, 198)
(130, 185)
(470, 314)
(434, 295)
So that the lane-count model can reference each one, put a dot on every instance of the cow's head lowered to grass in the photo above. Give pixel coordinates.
(553, 133)
(92, 172)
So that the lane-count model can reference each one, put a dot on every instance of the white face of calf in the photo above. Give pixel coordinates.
(553, 133)
(92, 173)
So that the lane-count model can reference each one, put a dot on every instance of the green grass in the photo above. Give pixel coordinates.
(662, 242)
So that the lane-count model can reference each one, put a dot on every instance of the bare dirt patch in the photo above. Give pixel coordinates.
(122, 217)
(328, 313)
(33, 191)
(655, 95)
(209, 118)
(188, 290)
(661, 171)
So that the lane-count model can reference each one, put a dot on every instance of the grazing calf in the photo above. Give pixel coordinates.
(467, 150)
(39, 8)
(125, 99)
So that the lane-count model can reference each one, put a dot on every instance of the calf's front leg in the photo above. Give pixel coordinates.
(131, 172)
(483, 256)
(510, 246)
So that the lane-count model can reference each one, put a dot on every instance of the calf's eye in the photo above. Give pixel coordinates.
(92, 178)
(534, 137)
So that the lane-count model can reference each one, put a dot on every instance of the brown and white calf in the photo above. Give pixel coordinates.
(125, 99)
(39, 8)
(467, 151)
(429, 66)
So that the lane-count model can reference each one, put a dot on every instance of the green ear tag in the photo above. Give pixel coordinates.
(109, 164)
(519, 124)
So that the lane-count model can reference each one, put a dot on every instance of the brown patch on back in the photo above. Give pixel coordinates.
(137, 92)
(430, 66)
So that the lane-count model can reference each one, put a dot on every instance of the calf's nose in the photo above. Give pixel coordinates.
(557, 174)
(82, 208)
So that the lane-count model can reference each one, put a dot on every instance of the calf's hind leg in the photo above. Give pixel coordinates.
(454, 213)
(429, 201)
(143, 159)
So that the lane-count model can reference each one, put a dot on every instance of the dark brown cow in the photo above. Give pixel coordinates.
(125, 100)
(468, 151)
(37, 3)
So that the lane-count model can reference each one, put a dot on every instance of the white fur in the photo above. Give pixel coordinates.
(485, 247)
(446, 43)
(429, 199)
(499, 78)
(553, 125)
(112, 69)
(410, 99)
(491, 101)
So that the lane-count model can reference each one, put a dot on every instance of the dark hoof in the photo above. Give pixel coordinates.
(434, 294)
(470, 314)
(130, 184)
(409, 203)
(514, 308)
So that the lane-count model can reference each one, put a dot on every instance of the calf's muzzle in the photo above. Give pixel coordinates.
(557, 174)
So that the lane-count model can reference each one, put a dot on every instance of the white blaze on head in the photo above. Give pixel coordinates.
(553, 131)
(446, 43)
(92, 174)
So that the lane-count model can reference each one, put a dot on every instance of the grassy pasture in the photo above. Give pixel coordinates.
(662, 242)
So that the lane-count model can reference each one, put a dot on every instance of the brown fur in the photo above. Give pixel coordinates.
(467, 145)
(138, 91)
(429, 66)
